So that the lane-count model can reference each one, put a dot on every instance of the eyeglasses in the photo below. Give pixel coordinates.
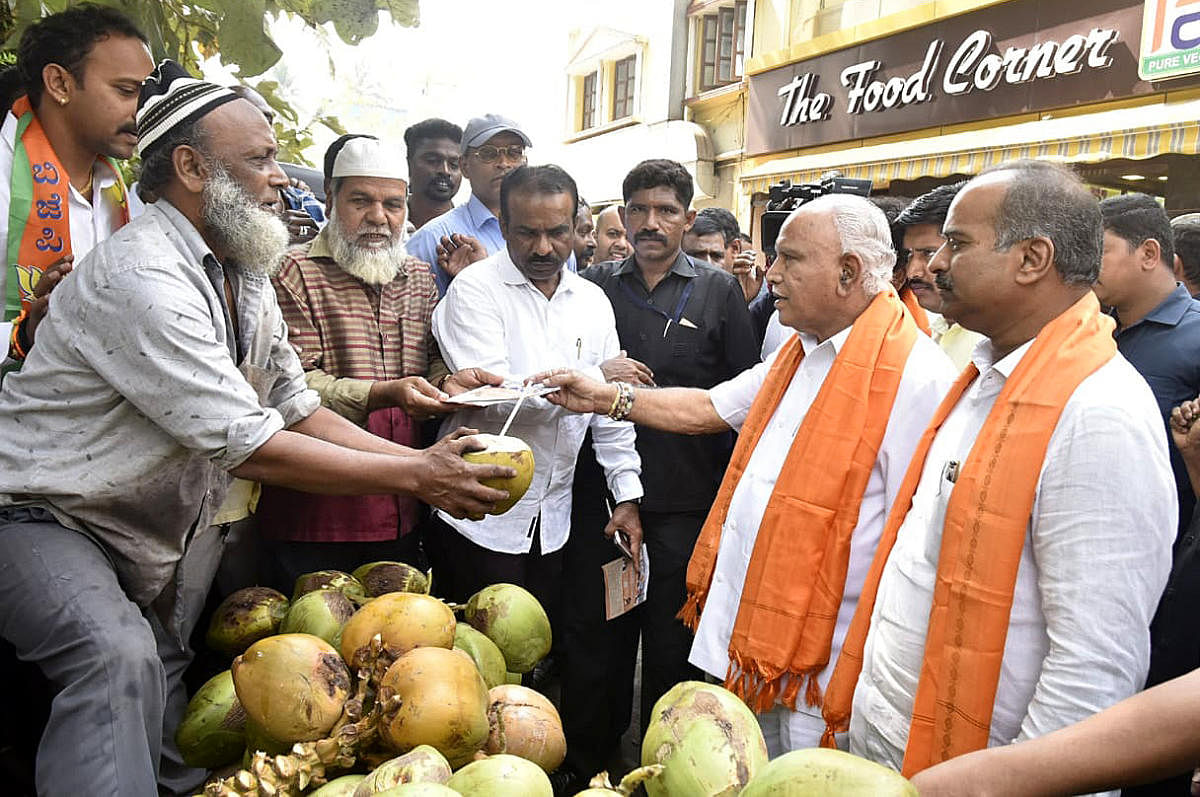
(905, 256)
(490, 154)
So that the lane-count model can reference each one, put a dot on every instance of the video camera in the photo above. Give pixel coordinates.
(785, 197)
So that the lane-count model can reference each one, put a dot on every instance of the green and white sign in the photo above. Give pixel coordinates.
(1170, 39)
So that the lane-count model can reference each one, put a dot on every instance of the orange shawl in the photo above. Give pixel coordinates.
(797, 572)
(918, 312)
(984, 534)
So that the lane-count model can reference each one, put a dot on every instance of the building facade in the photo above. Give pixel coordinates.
(912, 95)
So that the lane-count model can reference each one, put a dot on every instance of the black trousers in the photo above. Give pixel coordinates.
(461, 568)
(600, 656)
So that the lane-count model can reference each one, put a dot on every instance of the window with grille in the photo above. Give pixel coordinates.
(722, 46)
(624, 80)
(589, 101)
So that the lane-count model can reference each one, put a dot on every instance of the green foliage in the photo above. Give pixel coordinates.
(190, 32)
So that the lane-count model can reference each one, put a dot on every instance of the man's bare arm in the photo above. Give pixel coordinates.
(437, 475)
(683, 410)
(1152, 735)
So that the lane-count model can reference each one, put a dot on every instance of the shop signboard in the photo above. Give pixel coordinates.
(1170, 39)
(1017, 57)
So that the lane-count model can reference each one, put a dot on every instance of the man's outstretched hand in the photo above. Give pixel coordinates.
(452, 484)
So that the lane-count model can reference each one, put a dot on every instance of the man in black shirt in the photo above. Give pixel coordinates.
(687, 322)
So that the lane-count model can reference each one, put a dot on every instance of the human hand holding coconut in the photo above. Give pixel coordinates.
(453, 484)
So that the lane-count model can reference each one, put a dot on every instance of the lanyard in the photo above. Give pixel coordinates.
(672, 318)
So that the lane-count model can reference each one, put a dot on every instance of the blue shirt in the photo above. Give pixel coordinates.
(1164, 347)
(298, 199)
(472, 219)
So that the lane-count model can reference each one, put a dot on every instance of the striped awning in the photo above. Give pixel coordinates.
(1087, 138)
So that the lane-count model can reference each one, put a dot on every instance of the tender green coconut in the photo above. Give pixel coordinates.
(213, 731)
(512, 618)
(512, 452)
(245, 617)
(707, 740)
(817, 772)
(501, 776)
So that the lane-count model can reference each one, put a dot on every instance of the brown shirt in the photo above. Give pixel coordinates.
(349, 334)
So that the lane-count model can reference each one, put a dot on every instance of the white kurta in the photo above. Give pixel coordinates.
(927, 376)
(1095, 561)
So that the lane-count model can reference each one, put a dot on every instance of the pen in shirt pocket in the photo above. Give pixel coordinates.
(949, 474)
(578, 348)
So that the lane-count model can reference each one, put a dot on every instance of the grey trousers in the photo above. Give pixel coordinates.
(118, 668)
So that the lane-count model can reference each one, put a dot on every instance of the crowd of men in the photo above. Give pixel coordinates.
(921, 487)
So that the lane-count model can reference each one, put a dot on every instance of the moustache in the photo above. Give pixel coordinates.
(441, 182)
(130, 129)
(649, 236)
(913, 283)
(943, 281)
(544, 260)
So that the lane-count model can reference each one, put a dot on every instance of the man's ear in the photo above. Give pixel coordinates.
(58, 83)
(190, 167)
(621, 214)
(850, 271)
(689, 219)
(1037, 260)
(1151, 252)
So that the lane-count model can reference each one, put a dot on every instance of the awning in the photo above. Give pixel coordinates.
(1086, 138)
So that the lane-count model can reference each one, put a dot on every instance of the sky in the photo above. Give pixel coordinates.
(467, 58)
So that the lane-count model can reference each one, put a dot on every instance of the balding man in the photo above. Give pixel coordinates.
(1021, 564)
(611, 243)
(817, 463)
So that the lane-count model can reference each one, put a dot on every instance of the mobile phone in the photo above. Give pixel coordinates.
(622, 542)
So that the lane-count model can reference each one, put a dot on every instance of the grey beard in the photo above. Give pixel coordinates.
(253, 238)
(372, 266)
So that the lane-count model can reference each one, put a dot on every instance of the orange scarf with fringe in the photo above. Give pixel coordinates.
(984, 534)
(797, 572)
(918, 312)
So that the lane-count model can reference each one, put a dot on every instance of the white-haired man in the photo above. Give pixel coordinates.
(817, 463)
(358, 310)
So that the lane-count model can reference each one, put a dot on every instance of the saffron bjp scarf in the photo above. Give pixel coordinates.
(797, 572)
(984, 534)
(918, 312)
(39, 228)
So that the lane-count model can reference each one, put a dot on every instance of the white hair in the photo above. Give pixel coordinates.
(864, 232)
(372, 266)
(252, 237)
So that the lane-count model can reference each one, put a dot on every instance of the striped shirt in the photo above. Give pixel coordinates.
(349, 334)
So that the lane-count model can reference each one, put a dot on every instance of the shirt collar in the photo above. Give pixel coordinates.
(478, 212)
(1173, 308)
(683, 266)
(188, 239)
(984, 357)
(810, 344)
(511, 275)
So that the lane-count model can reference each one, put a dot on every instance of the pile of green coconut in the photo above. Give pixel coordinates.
(365, 684)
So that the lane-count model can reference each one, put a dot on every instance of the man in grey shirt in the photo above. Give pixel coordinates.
(161, 371)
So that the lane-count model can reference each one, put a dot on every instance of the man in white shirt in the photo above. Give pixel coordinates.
(832, 282)
(81, 70)
(1033, 539)
(515, 313)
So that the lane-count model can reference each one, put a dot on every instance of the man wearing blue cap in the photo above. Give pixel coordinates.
(492, 146)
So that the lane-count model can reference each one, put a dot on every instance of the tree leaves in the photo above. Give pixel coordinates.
(191, 31)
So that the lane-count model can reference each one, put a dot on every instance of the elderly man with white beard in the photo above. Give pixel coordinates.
(162, 370)
(358, 310)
